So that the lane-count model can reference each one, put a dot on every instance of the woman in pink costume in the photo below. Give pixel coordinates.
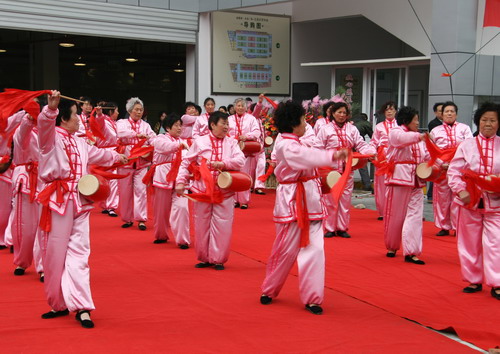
(404, 206)
(478, 219)
(201, 127)
(64, 159)
(298, 211)
(213, 216)
(133, 193)
(6, 169)
(170, 210)
(24, 225)
(339, 134)
(380, 141)
(244, 127)
(447, 136)
(107, 126)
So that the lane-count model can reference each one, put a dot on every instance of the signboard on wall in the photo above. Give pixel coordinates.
(250, 54)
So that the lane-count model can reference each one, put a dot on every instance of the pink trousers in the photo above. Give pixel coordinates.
(379, 189)
(478, 243)
(171, 212)
(404, 207)
(310, 261)
(213, 224)
(112, 202)
(133, 195)
(66, 265)
(260, 169)
(338, 217)
(24, 229)
(5, 209)
(444, 210)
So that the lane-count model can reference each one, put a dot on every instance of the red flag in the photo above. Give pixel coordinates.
(12, 100)
(492, 13)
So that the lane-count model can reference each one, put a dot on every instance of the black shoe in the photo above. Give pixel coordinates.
(472, 289)
(184, 246)
(314, 309)
(105, 211)
(343, 234)
(329, 234)
(219, 267)
(84, 323)
(244, 206)
(2, 247)
(142, 226)
(495, 294)
(203, 265)
(112, 213)
(159, 241)
(265, 300)
(42, 278)
(127, 224)
(19, 271)
(391, 254)
(54, 314)
(415, 260)
(259, 191)
(443, 233)
(236, 205)
(380, 218)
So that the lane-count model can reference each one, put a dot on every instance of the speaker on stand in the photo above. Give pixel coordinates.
(302, 91)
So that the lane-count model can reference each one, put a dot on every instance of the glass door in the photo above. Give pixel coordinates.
(387, 84)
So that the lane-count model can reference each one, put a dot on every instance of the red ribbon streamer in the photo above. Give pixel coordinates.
(94, 126)
(269, 172)
(339, 187)
(274, 104)
(210, 195)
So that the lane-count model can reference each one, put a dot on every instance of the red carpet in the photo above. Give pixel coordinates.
(149, 298)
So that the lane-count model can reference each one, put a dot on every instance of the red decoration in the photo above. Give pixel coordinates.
(492, 13)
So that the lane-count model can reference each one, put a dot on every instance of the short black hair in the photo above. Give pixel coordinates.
(287, 116)
(229, 106)
(486, 107)
(215, 117)
(326, 106)
(387, 105)
(198, 109)
(436, 105)
(111, 108)
(64, 111)
(336, 106)
(449, 103)
(189, 104)
(208, 99)
(171, 119)
(405, 115)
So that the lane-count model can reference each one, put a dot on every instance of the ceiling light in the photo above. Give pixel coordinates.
(131, 59)
(67, 44)
(3, 50)
(179, 69)
(79, 62)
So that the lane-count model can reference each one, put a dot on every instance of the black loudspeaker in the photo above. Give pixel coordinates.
(304, 91)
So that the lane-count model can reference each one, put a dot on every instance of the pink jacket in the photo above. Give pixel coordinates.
(331, 136)
(406, 151)
(246, 125)
(213, 149)
(187, 126)
(166, 148)
(308, 139)
(380, 136)
(468, 157)
(200, 127)
(296, 161)
(5, 149)
(109, 129)
(65, 157)
(25, 156)
(127, 131)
